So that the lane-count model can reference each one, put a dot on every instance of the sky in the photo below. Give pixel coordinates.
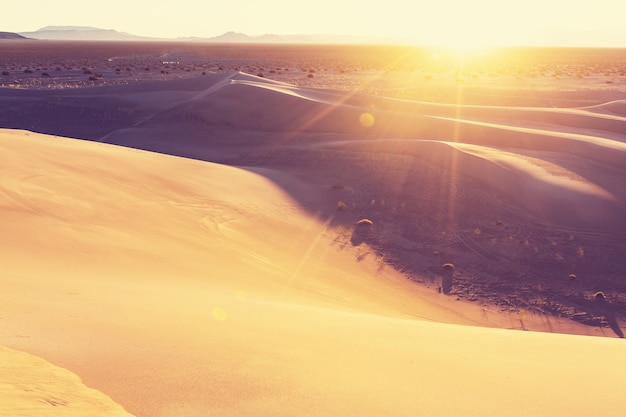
(450, 22)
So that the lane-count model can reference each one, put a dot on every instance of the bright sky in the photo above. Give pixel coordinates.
(450, 22)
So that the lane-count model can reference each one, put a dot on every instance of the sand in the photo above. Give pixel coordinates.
(212, 291)
(33, 387)
(222, 276)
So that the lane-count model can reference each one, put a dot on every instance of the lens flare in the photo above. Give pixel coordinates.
(366, 119)
(219, 314)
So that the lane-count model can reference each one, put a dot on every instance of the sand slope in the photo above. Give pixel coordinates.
(30, 386)
(545, 151)
(181, 287)
(519, 197)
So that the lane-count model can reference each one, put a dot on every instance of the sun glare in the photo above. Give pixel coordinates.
(463, 41)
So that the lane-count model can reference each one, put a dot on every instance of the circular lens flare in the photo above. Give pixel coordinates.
(366, 119)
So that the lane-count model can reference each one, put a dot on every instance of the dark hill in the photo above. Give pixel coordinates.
(11, 36)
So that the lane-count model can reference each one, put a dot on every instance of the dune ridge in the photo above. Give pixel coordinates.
(215, 291)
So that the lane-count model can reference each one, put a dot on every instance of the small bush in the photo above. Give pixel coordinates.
(6, 73)
(447, 278)
(93, 78)
(572, 277)
(45, 74)
(600, 296)
(28, 71)
(364, 222)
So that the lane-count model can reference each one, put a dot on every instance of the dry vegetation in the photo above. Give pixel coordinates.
(394, 71)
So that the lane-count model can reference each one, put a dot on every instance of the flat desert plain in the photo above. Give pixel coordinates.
(193, 229)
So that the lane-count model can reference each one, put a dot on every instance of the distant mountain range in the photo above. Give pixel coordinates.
(96, 34)
(82, 33)
(10, 36)
(237, 37)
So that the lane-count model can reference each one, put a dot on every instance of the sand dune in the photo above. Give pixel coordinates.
(30, 386)
(282, 114)
(214, 291)
(554, 173)
(181, 286)
(616, 108)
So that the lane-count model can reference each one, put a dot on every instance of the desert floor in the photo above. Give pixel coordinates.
(215, 262)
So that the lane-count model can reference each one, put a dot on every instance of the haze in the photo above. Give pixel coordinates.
(447, 22)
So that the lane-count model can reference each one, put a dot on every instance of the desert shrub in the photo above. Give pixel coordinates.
(310, 75)
(45, 74)
(6, 73)
(364, 222)
(447, 278)
(28, 71)
(87, 71)
(93, 78)
(260, 74)
(600, 296)
(572, 277)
